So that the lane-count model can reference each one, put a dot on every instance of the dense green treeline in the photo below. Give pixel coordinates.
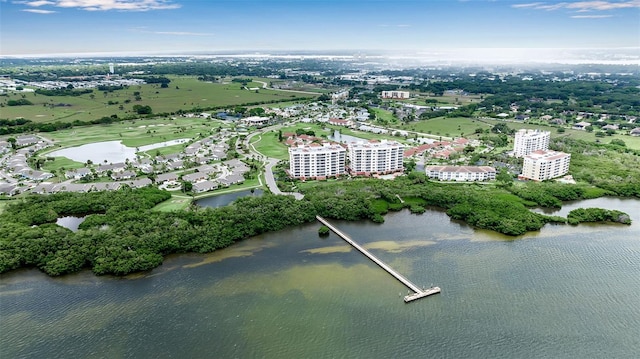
(121, 234)
(580, 215)
(610, 167)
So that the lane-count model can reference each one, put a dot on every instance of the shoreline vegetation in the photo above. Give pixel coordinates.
(122, 235)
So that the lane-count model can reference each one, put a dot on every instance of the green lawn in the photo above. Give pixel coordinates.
(175, 203)
(61, 162)
(184, 92)
(268, 145)
(448, 127)
(137, 132)
(384, 115)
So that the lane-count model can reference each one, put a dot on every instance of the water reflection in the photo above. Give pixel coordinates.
(225, 199)
(339, 137)
(70, 222)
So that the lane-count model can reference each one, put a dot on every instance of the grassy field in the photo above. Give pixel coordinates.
(183, 93)
(384, 115)
(136, 133)
(61, 162)
(268, 145)
(448, 127)
(175, 203)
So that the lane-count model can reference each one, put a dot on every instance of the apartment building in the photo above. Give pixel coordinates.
(369, 158)
(543, 165)
(396, 94)
(528, 141)
(461, 173)
(317, 161)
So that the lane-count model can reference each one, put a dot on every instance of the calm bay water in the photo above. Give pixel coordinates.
(565, 292)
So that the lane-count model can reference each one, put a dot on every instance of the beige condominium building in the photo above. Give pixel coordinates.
(543, 165)
(373, 157)
(317, 161)
(527, 141)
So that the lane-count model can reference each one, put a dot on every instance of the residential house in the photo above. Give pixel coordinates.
(77, 173)
(581, 125)
(124, 175)
(204, 186)
(166, 177)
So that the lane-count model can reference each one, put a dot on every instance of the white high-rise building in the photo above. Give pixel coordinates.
(543, 165)
(528, 141)
(368, 158)
(317, 161)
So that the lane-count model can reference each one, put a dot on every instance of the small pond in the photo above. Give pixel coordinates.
(70, 222)
(109, 151)
(225, 199)
(338, 137)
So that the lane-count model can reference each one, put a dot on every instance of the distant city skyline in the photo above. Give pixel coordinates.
(481, 29)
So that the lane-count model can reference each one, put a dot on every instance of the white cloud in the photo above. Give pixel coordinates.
(590, 16)
(39, 11)
(37, 3)
(581, 6)
(106, 5)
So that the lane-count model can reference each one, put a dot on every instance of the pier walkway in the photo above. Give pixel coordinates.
(419, 292)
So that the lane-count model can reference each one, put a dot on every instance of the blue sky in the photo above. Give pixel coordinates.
(163, 26)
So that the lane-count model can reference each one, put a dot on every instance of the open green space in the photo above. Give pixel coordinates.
(183, 93)
(175, 203)
(446, 126)
(383, 115)
(60, 162)
(267, 144)
(136, 133)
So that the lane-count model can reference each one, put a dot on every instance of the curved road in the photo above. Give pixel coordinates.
(268, 169)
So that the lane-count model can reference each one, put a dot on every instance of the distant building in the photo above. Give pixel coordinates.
(317, 162)
(543, 165)
(581, 125)
(369, 158)
(400, 95)
(527, 141)
(461, 173)
(256, 121)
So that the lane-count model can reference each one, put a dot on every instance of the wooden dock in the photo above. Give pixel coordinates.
(419, 292)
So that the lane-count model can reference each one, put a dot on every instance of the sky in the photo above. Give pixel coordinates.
(43, 27)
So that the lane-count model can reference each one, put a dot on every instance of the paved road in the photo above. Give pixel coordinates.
(271, 181)
(268, 170)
